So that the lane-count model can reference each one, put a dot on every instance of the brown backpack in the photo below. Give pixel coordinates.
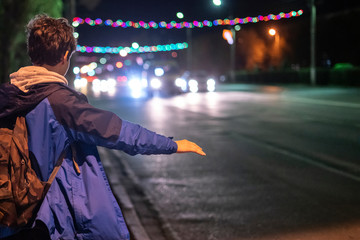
(21, 191)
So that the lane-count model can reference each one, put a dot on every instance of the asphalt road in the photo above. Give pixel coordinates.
(281, 163)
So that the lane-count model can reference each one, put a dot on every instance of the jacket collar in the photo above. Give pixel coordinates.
(15, 102)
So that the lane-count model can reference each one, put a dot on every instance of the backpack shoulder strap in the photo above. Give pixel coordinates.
(57, 167)
(21, 142)
(20, 136)
(60, 160)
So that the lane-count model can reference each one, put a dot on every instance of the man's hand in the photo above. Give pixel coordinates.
(185, 146)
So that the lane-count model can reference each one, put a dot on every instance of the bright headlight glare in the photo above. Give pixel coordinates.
(80, 82)
(159, 72)
(210, 82)
(135, 84)
(193, 86)
(211, 88)
(104, 85)
(181, 83)
(194, 89)
(144, 83)
(111, 82)
(96, 83)
(193, 83)
(155, 83)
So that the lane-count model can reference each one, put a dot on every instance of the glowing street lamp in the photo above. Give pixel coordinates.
(230, 36)
(180, 15)
(217, 2)
(276, 35)
(123, 53)
(135, 45)
(272, 31)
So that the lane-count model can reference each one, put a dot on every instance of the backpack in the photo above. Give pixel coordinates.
(21, 191)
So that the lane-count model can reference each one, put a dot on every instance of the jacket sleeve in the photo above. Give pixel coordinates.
(91, 125)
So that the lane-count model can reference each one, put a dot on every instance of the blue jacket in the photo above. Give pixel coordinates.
(77, 205)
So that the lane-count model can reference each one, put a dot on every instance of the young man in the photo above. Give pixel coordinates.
(79, 203)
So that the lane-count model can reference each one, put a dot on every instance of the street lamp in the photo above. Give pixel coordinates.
(180, 15)
(217, 2)
(274, 33)
(230, 36)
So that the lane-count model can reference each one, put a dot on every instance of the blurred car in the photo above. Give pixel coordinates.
(138, 87)
(197, 81)
(163, 81)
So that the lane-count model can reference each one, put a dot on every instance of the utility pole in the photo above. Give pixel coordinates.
(189, 51)
(312, 43)
(232, 43)
(232, 55)
(69, 9)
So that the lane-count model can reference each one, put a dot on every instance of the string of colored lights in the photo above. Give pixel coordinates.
(123, 51)
(173, 24)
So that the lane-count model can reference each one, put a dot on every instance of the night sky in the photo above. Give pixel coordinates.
(159, 10)
(165, 10)
(162, 10)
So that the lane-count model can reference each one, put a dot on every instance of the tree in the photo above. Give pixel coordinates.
(14, 15)
(252, 50)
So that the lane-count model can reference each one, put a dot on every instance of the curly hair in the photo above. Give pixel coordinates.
(48, 39)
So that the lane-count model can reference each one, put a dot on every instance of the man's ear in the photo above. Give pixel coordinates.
(65, 56)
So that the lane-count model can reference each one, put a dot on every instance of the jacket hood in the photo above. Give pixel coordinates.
(28, 76)
(15, 102)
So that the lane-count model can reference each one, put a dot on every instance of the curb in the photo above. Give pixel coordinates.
(135, 227)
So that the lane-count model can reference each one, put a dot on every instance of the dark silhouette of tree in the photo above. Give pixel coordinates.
(14, 15)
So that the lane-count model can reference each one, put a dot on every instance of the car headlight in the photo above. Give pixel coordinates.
(193, 85)
(135, 84)
(111, 82)
(210, 85)
(210, 82)
(181, 83)
(155, 83)
(80, 83)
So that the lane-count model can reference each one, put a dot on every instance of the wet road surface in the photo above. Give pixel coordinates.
(278, 165)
